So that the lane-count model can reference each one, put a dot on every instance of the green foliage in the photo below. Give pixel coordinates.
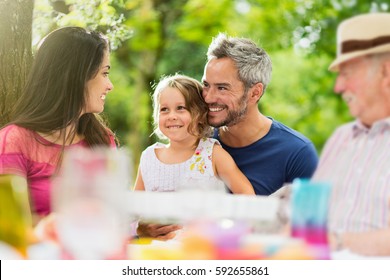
(301, 96)
(156, 37)
(203, 19)
(93, 14)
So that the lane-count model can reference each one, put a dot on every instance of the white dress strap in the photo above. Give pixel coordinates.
(197, 172)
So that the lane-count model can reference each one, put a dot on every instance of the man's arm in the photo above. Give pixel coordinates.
(371, 243)
(304, 163)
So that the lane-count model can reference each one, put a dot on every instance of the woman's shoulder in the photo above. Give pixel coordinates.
(16, 139)
(14, 132)
(113, 142)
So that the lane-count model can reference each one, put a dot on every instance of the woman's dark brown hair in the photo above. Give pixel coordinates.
(55, 93)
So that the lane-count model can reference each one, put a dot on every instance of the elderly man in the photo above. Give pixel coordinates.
(355, 159)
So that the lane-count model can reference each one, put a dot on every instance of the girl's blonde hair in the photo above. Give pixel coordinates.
(191, 90)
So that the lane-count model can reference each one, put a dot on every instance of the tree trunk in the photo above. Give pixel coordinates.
(15, 51)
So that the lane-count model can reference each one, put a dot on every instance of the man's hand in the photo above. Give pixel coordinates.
(157, 231)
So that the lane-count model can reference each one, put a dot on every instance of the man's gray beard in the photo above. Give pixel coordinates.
(234, 117)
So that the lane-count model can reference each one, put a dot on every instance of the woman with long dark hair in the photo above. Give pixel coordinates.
(59, 108)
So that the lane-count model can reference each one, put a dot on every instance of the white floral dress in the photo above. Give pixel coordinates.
(196, 172)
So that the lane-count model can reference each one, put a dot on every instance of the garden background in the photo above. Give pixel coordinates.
(151, 38)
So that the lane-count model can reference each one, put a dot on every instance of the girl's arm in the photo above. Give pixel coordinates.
(139, 182)
(227, 170)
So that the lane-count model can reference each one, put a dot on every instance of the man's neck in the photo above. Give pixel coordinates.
(245, 132)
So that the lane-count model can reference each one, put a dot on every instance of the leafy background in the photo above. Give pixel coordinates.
(151, 38)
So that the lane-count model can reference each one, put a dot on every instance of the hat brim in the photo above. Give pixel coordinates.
(334, 66)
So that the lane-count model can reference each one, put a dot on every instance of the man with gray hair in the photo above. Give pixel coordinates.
(269, 153)
(355, 160)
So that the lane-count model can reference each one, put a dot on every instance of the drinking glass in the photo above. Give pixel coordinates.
(309, 213)
(89, 201)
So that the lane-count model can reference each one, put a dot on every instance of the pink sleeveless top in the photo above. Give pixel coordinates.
(25, 153)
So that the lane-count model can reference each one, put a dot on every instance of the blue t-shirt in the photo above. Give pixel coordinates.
(278, 158)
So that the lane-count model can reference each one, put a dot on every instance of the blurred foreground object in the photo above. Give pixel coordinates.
(15, 215)
(309, 214)
(218, 225)
(88, 195)
(199, 204)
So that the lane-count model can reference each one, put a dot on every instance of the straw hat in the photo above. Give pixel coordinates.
(362, 35)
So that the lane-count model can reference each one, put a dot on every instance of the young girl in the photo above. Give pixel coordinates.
(190, 158)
